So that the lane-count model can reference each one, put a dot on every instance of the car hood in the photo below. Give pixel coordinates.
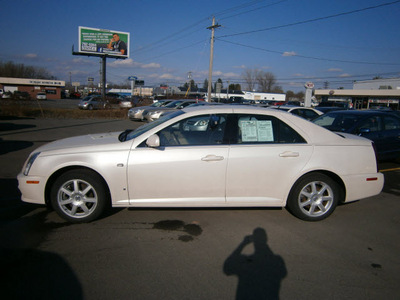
(85, 143)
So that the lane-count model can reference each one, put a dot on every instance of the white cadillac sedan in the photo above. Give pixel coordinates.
(209, 156)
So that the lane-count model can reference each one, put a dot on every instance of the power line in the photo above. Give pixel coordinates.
(313, 20)
(169, 38)
(254, 9)
(309, 57)
(175, 50)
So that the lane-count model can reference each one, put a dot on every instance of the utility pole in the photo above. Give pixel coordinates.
(212, 27)
(189, 83)
(227, 92)
(103, 77)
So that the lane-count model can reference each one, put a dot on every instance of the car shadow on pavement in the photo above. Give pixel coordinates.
(11, 206)
(28, 273)
(392, 183)
(34, 274)
(11, 146)
(259, 274)
(12, 126)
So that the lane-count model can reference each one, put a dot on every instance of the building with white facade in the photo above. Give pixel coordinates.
(366, 94)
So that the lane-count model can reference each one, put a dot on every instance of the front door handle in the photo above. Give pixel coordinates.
(289, 154)
(212, 158)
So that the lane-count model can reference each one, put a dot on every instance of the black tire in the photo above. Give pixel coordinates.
(314, 197)
(79, 196)
(90, 107)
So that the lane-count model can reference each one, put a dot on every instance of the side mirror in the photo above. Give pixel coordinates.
(364, 130)
(153, 141)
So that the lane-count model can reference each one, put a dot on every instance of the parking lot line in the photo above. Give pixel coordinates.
(388, 170)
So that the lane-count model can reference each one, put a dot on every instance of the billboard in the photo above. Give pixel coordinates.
(103, 42)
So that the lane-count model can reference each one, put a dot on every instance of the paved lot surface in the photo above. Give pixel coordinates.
(189, 253)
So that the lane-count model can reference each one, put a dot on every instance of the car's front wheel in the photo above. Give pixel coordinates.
(79, 196)
(314, 197)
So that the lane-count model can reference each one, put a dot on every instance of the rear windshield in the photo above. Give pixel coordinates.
(337, 122)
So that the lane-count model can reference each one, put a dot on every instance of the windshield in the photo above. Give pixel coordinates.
(159, 103)
(87, 98)
(337, 122)
(173, 104)
(142, 129)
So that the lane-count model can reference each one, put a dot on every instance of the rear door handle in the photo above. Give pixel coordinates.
(289, 154)
(212, 158)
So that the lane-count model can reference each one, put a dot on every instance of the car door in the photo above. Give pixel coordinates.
(372, 128)
(391, 135)
(188, 169)
(264, 160)
(96, 102)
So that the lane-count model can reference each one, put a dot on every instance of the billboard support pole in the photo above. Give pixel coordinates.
(103, 77)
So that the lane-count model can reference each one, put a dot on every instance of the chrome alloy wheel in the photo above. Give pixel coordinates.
(77, 198)
(316, 198)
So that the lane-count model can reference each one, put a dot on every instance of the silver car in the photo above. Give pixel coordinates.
(41, 96)
(152, 114)
(136, 114)
(93, 102)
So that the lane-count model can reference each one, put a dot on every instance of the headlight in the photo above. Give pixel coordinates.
(30, 162)
(155, 113)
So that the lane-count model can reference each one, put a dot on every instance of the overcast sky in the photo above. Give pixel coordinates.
(297, 40)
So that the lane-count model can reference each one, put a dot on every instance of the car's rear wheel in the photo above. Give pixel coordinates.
(314, 197)
(79, 196)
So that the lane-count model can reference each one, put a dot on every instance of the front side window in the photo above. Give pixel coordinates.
(372, 124)
(198, 130)
(391, 123)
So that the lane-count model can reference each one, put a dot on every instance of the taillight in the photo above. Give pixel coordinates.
(376, 156)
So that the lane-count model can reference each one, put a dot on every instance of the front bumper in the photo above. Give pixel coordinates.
(32, 188)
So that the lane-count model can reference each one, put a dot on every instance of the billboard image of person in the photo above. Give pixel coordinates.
(117, 45)
(103, 42)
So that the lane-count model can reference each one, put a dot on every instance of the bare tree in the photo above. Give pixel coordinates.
(250, 78)
(266, 81)
(10, 69)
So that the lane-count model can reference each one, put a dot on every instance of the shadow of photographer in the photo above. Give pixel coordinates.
(259, 274)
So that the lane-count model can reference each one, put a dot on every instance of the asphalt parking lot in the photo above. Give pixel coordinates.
(190, 253)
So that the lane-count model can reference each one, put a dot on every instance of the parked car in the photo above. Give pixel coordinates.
(18, 95)
(236, 156)
(7, 95)
(124, 103)
(294, 103)
(75, 95)
(234, 100)
(340, 104)
(93, 102)
(383, 128)
(304, 112)
(136, 114)
(152, 114)
(326, 109)
(41, 96)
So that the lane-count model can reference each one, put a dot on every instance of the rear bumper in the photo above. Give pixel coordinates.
(363, 186)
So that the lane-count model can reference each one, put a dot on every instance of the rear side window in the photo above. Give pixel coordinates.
(261, 129)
